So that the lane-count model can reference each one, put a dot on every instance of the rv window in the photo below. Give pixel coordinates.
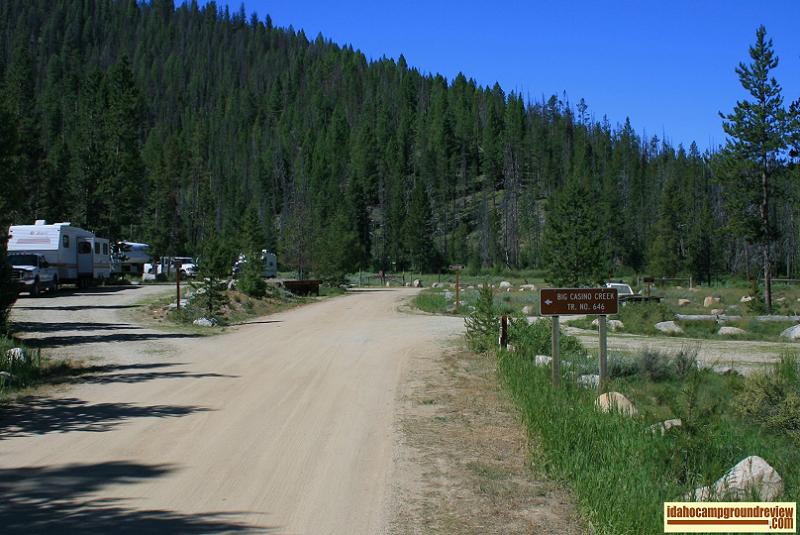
(96, 248)
(84, 247)
(105, 248)
(65, 241)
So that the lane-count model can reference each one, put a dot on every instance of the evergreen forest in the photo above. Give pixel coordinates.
(179, 124)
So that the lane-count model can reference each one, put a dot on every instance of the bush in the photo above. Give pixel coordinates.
(8, 290)
(23, 371)
(537, 338)
(251, 281)
(772, 397)
(655, 366)
(642, 317)
(482, 323)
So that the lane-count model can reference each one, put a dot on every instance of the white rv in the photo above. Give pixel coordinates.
(130, 257)
(78, 255)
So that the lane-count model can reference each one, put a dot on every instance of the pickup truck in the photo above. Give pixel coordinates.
(626, 295)
(32, 273)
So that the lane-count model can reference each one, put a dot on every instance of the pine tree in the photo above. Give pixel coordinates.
(575, 250)
(665, 249)
(757, 131)
(417, 231)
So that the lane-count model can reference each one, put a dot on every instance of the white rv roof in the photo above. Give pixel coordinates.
(40, 237)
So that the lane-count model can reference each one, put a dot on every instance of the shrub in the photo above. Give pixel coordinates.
(251, 281)
(642, 317)
(655, 365)
(536, 338)
(621, 366)
(772, 397)
(8, 290)
(685, 362)
(482, 323)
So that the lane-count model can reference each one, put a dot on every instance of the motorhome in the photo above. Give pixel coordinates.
(78, 255)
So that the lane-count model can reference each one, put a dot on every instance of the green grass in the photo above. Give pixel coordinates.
(27, 373)
(640, 318)
(621, 474)
(442, 300)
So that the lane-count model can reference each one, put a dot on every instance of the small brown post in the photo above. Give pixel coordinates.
(458, 288)
(503, 331)
(603, 354)
(178, 283)
(555, 353)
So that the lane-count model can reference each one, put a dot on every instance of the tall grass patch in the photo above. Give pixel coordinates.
(619, 470)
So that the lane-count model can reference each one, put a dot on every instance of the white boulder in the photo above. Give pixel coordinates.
(666, 425)
(717, 311)
(205, 322)
(669, 327)
(589, 381)
(505, 284)
(751, 475)
(613, 325)
(710, 301)
(530, 287)
(417, 283)
(232, 284)
(436, 285)
(542, 360)
(527, 310)
(17, 355)
(792, 333)
(745, 299)
(730, 331)
(684, 302)
(614, 401)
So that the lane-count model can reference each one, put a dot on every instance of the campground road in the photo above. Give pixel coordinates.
(742, 355)
(285, 424)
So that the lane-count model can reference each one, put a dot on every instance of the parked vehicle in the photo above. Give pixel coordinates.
(623, 290)
(189, 267)
(270, 261)
(626, 294)
(130, 257)
(166, 265)
(77, 255)
(33, 273)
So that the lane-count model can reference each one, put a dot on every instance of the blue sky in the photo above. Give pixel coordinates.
(668, 65)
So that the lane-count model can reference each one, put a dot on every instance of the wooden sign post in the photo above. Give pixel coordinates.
(556, 302)
(457, 268)
(178, 283)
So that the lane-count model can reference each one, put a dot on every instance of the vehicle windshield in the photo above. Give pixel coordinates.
(622, 289)
(23, 260)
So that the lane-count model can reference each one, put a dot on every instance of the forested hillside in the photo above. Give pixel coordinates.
(171, 124)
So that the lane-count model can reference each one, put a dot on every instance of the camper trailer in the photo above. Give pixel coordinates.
(269, 261)
(77, 254)
(130, 257)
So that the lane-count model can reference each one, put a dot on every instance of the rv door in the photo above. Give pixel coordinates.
(85, 259)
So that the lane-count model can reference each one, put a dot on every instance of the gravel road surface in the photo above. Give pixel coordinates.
(284, 424)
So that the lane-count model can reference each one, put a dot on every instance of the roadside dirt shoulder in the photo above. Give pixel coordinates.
(462, 457)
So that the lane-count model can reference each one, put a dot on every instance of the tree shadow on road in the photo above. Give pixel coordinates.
(128, 373)
(45, 327)
(74, 308)
(33, 416)
(75, 339)
(63, 499)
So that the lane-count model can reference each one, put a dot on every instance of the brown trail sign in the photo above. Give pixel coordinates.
(572, 301)
(557, 302)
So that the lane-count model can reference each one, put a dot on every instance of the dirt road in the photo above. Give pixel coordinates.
(285, 424)
(741, 355)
